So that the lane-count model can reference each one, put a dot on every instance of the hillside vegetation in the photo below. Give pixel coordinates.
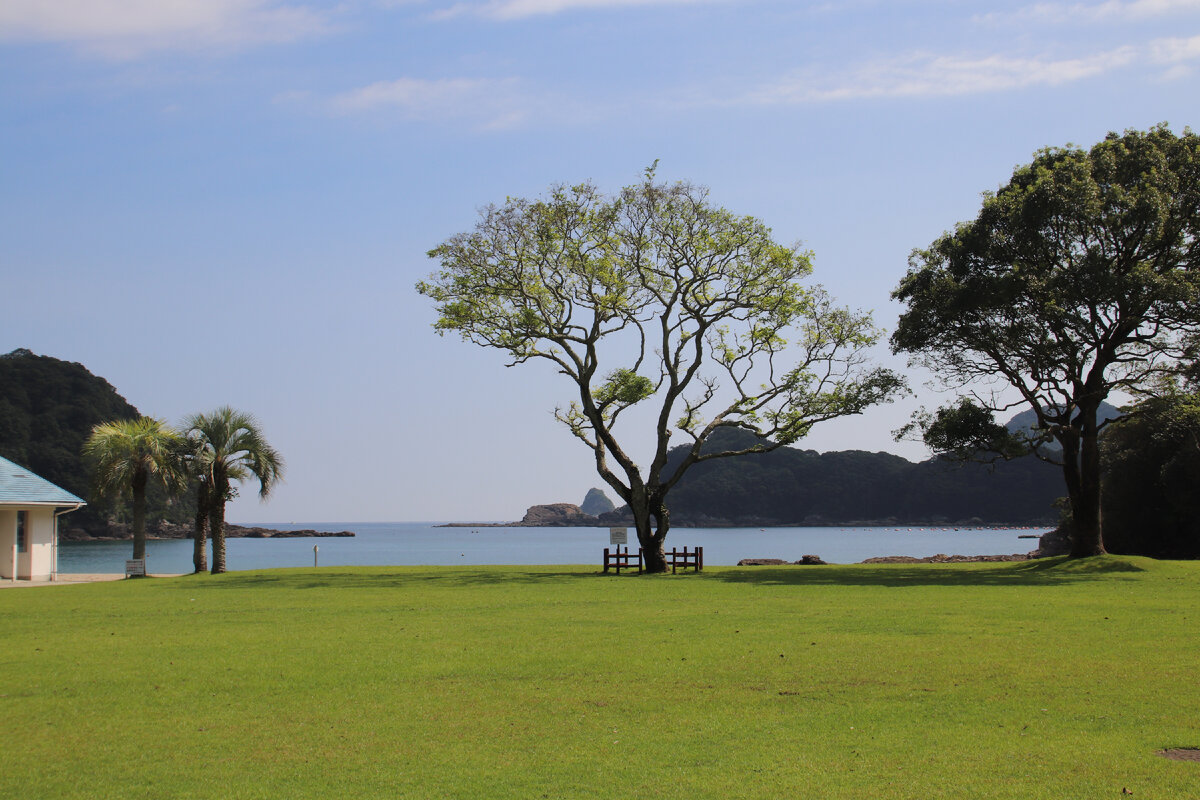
(793, 486)
(48, 408)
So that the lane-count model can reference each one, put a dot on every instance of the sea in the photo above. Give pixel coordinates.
(430, 543)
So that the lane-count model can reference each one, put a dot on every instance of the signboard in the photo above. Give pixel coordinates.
(618, 535)
(135, 566)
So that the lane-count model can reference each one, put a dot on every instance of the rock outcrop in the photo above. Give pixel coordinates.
(596, 503)
(557, 515)
(1053, 543)
(779, 562)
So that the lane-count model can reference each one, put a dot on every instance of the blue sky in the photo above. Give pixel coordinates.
(229, 201)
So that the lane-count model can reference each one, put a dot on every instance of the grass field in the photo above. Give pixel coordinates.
(1049, 679)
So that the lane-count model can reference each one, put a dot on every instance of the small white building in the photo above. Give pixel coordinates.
(29, 510)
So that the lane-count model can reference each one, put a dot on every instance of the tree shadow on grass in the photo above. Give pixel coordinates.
(1039, 572)
(399, 577)
(1036, 572)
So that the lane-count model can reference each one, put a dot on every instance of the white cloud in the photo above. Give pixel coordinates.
(1175, 51)
(467, 102)
(518, 9)
(1108, 11)
(1177, 55)
(126, 28)
(925, 75)
(484, 102)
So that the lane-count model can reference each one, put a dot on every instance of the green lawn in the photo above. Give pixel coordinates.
(1030, 680)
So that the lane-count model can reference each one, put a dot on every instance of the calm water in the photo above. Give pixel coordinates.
(422, 543)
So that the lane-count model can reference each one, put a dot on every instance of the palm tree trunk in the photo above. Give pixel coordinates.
(139, 514)
(200, 529)
(216, 524)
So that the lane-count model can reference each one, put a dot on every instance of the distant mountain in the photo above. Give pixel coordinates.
(47, 409)
(1026, 420)
(596, 503)
(789, 486)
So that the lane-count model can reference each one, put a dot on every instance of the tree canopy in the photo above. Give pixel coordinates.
(126, 455)
(656, 293)
(227, 447)
(1079, 278)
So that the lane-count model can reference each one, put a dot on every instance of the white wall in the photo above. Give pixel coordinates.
(38, 560)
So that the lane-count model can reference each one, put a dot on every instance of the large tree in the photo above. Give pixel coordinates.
(125, 455)
(1078, 279)
(655, 294)
(228, 448)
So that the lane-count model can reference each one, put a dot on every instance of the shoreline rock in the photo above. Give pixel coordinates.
(550, 515)
(557, 515)
(779, 562)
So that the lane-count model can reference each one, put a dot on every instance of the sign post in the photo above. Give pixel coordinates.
(617, 537)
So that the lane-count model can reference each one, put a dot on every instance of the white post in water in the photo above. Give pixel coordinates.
(315, 548)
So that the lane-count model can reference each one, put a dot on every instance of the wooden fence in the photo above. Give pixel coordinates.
(678, 559)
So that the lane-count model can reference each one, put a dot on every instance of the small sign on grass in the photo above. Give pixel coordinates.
(135, 567)
(618, 536)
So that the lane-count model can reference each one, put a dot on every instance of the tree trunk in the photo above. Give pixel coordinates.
(139, 514)
(1087, 537)
(216, 524)
(200, 530)
(650, 537)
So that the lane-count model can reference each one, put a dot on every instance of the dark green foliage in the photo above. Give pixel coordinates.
(969, 431)
(1026, 423)
(48, 408)
(1152, 471)
(1079, 278)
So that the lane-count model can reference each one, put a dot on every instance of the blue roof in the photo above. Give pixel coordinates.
(19, 485)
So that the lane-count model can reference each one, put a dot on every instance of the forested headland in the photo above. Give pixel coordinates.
(793, 486)
(48, 408)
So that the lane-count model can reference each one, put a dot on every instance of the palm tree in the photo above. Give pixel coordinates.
(232, 449)
(197, 464)
(125, 454)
